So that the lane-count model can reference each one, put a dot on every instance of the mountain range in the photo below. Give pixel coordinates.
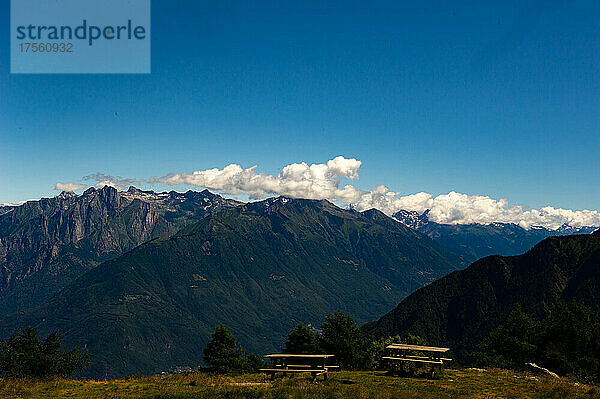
(260, 268)
(476, 241)
(46, 244)
(461, 309)
(141, 278)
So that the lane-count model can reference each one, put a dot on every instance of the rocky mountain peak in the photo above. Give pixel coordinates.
(66, 195)
(568, 229)
(89, 191)
(412, 219)
(134, 190)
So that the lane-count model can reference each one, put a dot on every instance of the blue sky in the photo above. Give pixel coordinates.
(495, 99)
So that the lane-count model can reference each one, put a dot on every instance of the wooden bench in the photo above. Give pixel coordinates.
(314, 364)
(405, 353)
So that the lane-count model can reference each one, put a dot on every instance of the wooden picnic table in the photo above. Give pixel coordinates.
(430, 355)
(298, 363)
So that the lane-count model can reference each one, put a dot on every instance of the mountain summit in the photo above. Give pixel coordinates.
(475, 241)
(66, 195)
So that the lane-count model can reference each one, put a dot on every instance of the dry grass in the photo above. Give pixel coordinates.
(454, 384)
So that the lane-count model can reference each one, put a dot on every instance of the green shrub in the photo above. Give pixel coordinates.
(342, 338)
(513, 345)
(25, 355)
(252, 363)
(567, 342)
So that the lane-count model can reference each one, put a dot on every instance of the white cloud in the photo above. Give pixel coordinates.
(458, 208)
(299, 180)
(69, 186)
(18, 203)
(117, 182)
(323, 181)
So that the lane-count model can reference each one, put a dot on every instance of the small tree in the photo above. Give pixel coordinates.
(223, 353)
(302, 340)
(252, 363)
(513, 345)
(342, 337)
(25, 354)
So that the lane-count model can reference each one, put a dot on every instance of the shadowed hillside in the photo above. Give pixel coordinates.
(462, 308)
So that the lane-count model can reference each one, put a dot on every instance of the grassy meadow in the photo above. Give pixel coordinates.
(468, 383)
